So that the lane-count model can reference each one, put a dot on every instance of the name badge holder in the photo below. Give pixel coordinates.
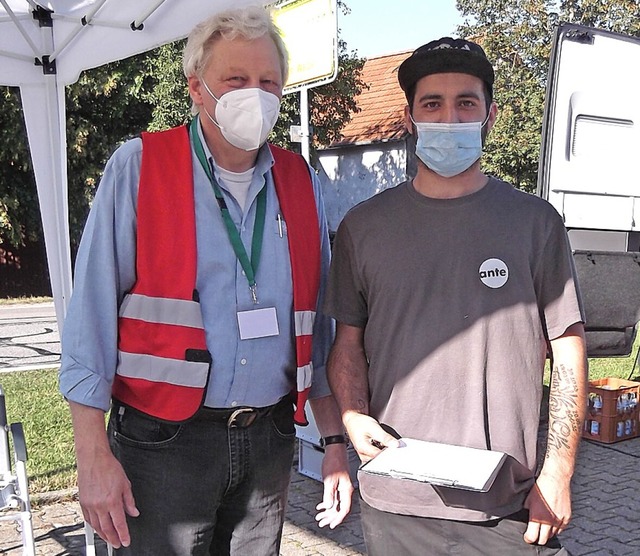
(260, 322)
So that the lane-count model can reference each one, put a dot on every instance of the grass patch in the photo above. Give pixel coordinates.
(32, 398)
(617, 367)
(25, 299)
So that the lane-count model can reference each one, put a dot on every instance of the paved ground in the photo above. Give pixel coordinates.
(606, 495)
(29, 337)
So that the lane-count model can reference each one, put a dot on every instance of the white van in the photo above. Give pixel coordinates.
(590, 172)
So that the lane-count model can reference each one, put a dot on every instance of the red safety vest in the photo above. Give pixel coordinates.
(163, 361)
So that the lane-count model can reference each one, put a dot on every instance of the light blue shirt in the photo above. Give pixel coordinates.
(256, 372)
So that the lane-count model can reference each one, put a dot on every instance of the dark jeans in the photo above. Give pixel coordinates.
(202, 488)
(403, 535)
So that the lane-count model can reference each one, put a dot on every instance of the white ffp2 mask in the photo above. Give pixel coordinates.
(245, 116)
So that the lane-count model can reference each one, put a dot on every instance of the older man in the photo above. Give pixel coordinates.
(194, 318)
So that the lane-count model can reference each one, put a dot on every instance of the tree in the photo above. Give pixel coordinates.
(19, 222)
(517, 37)
(169, 94)
(104, 107)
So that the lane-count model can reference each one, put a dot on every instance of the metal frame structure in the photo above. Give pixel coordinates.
(14, 486)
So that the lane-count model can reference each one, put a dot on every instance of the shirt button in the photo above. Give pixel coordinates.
(243, 361)
(233, 404)
(244, 273)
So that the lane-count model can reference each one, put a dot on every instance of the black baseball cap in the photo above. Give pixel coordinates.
(446, 55)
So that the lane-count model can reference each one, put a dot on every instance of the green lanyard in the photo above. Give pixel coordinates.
(250, 267)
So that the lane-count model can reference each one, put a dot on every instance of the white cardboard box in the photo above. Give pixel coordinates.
(309, 433)
(310, 459)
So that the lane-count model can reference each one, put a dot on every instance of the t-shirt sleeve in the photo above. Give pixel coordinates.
(344, 299)
(557, 287)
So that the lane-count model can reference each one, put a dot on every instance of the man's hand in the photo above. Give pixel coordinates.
(105, 492)
(366, 435)
(549, 502)
(105, 498)
(549, 505)
(336, 500)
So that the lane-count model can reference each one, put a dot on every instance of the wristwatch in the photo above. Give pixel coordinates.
(334, 439)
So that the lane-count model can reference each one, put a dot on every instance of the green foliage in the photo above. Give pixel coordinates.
(333, 104)
(104, 107)
(517, 37)
(169, 94)
(19, 216)
(621, 16)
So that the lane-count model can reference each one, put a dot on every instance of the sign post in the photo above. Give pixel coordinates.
(310, 31)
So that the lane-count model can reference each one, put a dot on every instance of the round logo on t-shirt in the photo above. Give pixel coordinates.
(494, 273)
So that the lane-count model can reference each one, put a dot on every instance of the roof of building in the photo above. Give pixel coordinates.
(381, 116)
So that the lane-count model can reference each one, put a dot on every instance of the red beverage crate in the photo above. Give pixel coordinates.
(613, 410)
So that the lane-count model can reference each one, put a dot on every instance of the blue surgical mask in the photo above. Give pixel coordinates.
(449, 148)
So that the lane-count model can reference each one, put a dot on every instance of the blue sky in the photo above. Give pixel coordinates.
(376, 27)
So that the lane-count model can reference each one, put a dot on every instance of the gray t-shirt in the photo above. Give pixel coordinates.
(457, 298)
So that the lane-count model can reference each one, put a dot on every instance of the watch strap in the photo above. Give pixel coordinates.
(333, 439)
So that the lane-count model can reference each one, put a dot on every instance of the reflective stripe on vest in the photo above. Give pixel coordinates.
(160, 310)
(161, 369)
(304, 377)
(304, 322)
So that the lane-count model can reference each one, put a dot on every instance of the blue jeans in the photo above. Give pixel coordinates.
(203, 488)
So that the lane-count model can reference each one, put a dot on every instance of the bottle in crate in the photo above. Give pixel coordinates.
(595, 404)
(628, 427)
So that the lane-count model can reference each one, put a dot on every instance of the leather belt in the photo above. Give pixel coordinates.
(238, 418)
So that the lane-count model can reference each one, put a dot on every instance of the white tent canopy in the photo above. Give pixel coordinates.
(44, 46)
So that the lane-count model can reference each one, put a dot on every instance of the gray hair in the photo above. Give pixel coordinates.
(251, 22)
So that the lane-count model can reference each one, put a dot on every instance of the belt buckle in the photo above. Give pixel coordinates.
(242, 418)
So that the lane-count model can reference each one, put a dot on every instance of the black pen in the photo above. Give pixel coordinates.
(377, 444)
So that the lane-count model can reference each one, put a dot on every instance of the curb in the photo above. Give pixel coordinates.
(39, 499)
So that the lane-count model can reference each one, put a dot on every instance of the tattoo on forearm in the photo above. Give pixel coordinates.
(564, 413)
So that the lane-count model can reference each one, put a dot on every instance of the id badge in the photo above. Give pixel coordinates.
(258, 323)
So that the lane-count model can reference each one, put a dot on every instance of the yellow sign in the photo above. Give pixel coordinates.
(310, 31)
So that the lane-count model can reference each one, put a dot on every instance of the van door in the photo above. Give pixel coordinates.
(590, 172)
